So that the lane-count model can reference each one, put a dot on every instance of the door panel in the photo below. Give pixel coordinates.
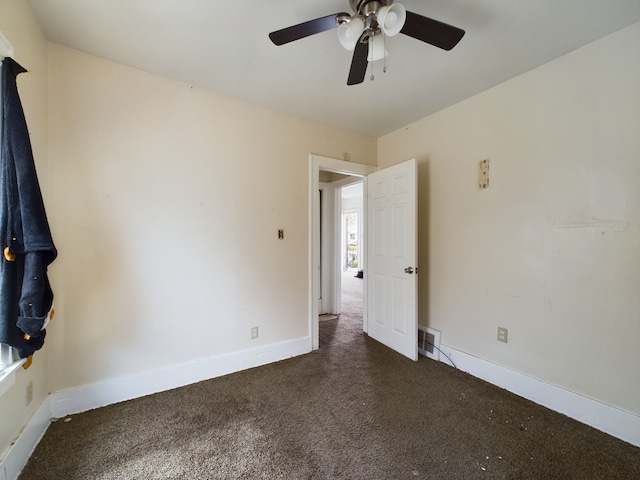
(392, 237)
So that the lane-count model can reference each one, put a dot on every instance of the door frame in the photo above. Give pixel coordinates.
(317, 163)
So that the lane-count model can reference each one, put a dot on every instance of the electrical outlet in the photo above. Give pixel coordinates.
(502, 334)
(28, 395)
(254, 333)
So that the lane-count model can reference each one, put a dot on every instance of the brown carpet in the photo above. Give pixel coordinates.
(351, 410)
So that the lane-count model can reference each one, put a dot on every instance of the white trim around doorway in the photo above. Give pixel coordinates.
(316, 164)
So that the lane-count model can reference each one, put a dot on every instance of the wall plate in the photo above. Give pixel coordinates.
(483, 181)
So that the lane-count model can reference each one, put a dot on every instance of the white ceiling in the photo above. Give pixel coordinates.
(352, 191)
(223, 46)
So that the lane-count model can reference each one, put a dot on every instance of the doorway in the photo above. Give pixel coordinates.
(341, 227)
(351, 261)
(346, 173)
(352, 203)
(351, 264)
(390, 225)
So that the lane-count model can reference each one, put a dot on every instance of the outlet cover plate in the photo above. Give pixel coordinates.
(29, 393)
(503, 334)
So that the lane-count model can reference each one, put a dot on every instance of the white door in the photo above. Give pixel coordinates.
(392, 258)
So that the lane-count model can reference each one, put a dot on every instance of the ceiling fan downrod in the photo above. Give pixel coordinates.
(368, 7)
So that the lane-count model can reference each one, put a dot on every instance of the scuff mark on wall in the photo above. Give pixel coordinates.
(615, 226)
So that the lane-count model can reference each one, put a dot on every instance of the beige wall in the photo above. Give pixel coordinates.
(166, 203)
(552, 249)
(20, 27)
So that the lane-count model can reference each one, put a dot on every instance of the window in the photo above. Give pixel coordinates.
(8, 367)
(6, 356)
(350, 247)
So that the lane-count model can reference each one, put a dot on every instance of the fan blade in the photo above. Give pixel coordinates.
(359, 62)
(306, 29)
(432, 31)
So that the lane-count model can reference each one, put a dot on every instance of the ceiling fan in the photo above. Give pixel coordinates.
(365, 30)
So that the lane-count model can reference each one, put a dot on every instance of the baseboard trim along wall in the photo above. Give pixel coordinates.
(611, 420)
(619, 423)
(18, 454)
(88, 397)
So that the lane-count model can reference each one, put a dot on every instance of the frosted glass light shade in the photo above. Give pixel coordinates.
(377, 50)
(349, 33)
(391, 18)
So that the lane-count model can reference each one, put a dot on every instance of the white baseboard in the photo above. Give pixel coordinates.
(88, 397)
(18, 454)
(619, 423)
(611, 420)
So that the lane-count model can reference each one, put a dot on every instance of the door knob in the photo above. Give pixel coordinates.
(408, 270)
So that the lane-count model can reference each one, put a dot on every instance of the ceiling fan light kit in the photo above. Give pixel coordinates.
(377, 48)
(364, 32)
(350, 32)
(391, 19)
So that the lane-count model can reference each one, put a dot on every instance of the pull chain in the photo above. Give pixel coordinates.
(372, 77)
(384, 58)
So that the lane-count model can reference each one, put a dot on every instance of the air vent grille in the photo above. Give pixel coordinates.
(429, 342)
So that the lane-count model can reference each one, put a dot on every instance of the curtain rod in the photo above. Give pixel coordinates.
(6, 49)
